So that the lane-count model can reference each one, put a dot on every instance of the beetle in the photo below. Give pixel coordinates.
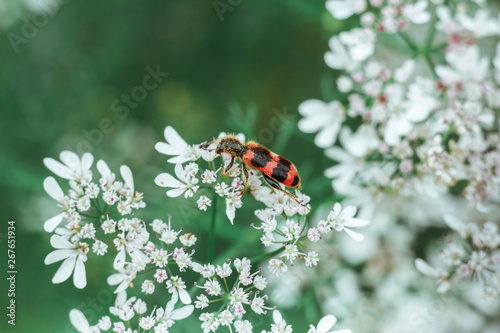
(275, 169)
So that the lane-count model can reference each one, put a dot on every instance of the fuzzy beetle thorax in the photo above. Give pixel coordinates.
(231, 146)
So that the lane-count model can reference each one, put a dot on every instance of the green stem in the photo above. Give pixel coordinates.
(431, 65)
(411, 45)
(211, 235)
(427, 48)
(264, 256)
(431, 33)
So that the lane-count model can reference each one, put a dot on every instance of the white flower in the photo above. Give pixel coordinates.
(170, 315)
(417, 107)
(466, 65)
(203, 202)
(321, 117)
(201, 301)
(186, 183)
(337, 57)
(344, 84)
(280, 324)
(343, 219)
(342, 9)
(481, 25)
(349, 159)
(441, 275)
(243, 326)
(402, 74)
(123, 307)
(74, 255)
(132, 246)
(209, 176)
(100, 248)
(277, 266)
(210, 322)
(311, 258)
(177, 288)
(325, 324)
(123, 278)
(446, 22)
(360, 43)
(232, 202)
(74, 168)
(416, 12)
(81, 324)
(478, 261)
(176, 146)
(226, 318)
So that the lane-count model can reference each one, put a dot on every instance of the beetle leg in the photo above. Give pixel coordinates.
(229, 166)
(247, 176)
(275, 185)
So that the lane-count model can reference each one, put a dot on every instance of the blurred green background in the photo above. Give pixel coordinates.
(62, 78)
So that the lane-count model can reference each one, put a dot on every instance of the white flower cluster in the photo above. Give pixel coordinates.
(282, 221)
(403, 128)
(160, 319)
(291, 234)
(101, 213)
(413, 131)
(324, 325)
(244, 294)
(475, 256)
(91, 211)
(227, 187)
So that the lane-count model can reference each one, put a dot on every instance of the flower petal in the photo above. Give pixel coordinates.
(277, 317)
(79, 276)
(349, 212)
(355, 222)
(230, 212)
(53, 189)
(312, 107)
(59, 242)
(103, 169)
(340, 9)
(179, 159)
(338, 154)
(174, 138)
(71, 160)
(184, 296)
(337, 58)
(179, 172)
(53, 222)
(166, 149)
(327, 136)
(87, 160)
(167, 180)
(182, 313)
(79, 321)
(169, 307)
(119, 261)
(454, 222)
(58, 255)
(326, 323)
(424, 268)
(175, 192)
(64, 272)
(354, 235)
(127, 176)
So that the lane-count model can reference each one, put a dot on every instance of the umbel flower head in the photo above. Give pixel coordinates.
(89, 210)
